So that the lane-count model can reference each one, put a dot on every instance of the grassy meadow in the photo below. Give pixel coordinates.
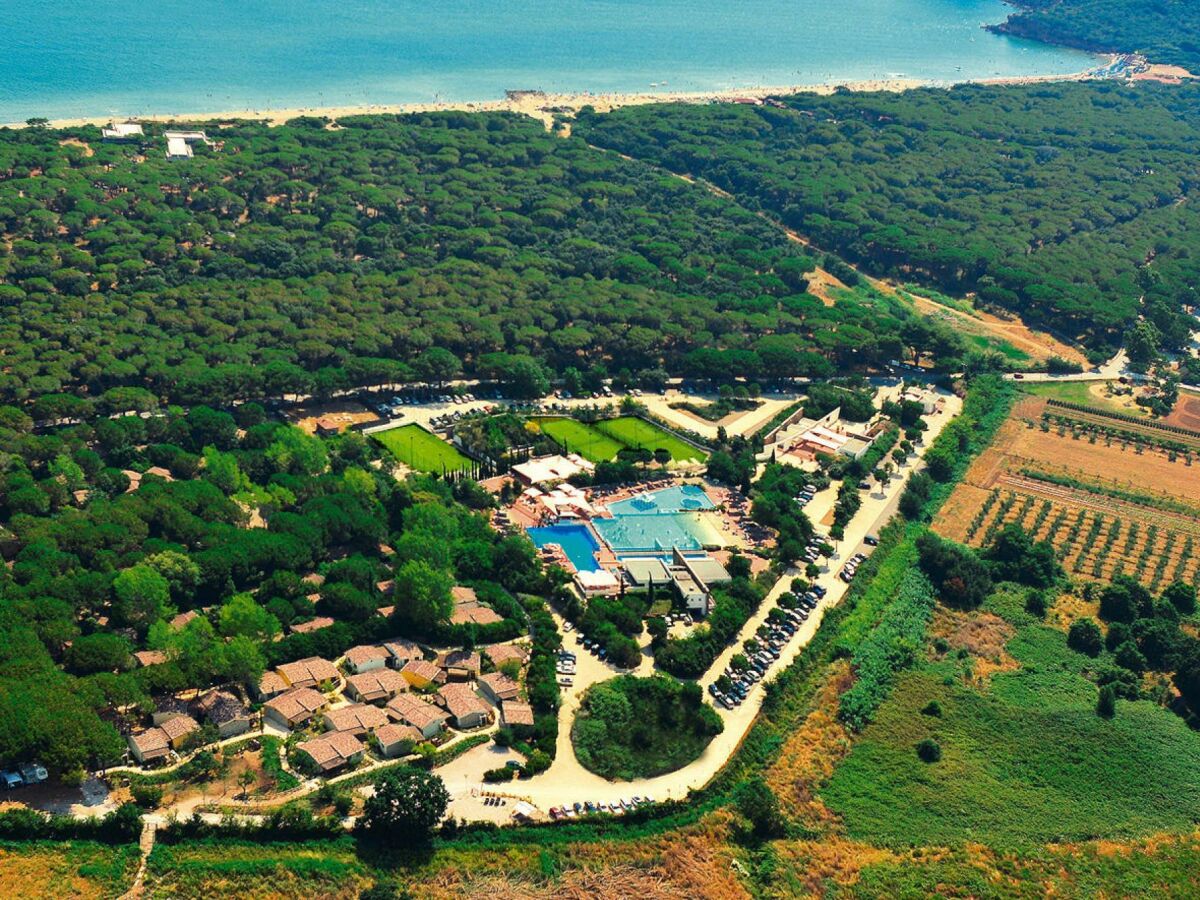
(602, 441)
(77, 869)
(1025, 758)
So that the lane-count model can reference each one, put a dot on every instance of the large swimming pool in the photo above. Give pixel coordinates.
(681, 498)
(577, 542)
(659, 531)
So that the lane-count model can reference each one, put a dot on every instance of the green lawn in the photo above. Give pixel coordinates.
(1024, 761)
(629, 727)
(420, 450)
(576, 437)
(638, 433)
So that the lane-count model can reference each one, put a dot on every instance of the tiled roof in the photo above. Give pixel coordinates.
(355, 716)
(313, 669)
(295, 703)
(377, 683)
(333, 749)
(414, 711)
(516, 713)
(501, 685)
(365, 653)
(390, 734)
(460, 700)
(178, 726)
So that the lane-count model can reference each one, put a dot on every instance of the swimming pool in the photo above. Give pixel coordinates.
(657, 531)
(681, 498)
(577, 542)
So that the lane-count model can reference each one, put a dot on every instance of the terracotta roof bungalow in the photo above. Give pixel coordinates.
(183, 618)
(357, 718)
(467, 608)
(225, 711)
(421, 715)
(160, 472)
(294, 708)
(150, 658)
(422, 674)
(499, 654)
(461, 593)
(168, 707)
(177, 728)
(386, 586)
(514, 712)
(401, 651)
(150, 745)
(314, 578)
(371, 687)
(312, 625)
(386, 611)
(333, 751)
(464, 705)
(270, 685)
(308, 672)
(366, 657)
(396, 740)
(498, 687)
(460, 665)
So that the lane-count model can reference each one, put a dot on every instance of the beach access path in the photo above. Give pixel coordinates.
(567, 781)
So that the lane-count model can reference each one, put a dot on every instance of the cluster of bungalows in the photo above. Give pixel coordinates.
(393, 699)
(179, 143)
(176, 720)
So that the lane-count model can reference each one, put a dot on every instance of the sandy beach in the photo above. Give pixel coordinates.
(544, 106)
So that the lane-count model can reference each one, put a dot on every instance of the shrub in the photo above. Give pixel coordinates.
(147, 796)
(495, 776)
(1106, 703)
(932, 708)
(1084, 636)
(929, 750)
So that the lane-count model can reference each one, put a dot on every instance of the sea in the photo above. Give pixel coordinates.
(74, 58)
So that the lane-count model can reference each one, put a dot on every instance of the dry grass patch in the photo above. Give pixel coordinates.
(982, 634)
(810, 755)
(807, 867)
(1068, 607)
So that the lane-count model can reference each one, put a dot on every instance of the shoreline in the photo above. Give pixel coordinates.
(543, 105)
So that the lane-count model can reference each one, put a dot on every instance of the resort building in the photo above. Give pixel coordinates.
(401, 651)
(600, 583)
(294, 708)
(308, 673)
(366, 658)
(149, 746)
(372, 687)
(421, 674)
(356, 719)
(424, 717)
(270, 685)
(461, 665)
(547, 471)
(499, 654)
(333, 751)
(828, 435)
(468, 609)
(498, 687)
(513, 713)
(396, 740)
(225, 711)
(463, 705)
(122, 132)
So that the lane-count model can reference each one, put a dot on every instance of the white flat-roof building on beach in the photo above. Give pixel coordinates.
(178, 148)
(122, 131)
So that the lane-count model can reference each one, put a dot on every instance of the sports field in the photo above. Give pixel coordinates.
(576, 437)
(420, 450)
(603, 440)
(640, 434)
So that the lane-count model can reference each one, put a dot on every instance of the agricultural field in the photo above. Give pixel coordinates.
(420, 450)
(1109, 396)
(76, 869)
(1103, 490)
(603, 440)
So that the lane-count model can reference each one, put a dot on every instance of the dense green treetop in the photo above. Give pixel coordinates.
(310, 258)
(1064, 202)
(1167, 31)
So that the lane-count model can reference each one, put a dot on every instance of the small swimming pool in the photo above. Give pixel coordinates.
(681, 498)
(577, 542)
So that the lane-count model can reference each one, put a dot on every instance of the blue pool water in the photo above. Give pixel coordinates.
(576, 540)
(113, 57)
(668, 500)
(652, 532)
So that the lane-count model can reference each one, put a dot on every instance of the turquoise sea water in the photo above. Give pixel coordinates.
(75, 58)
